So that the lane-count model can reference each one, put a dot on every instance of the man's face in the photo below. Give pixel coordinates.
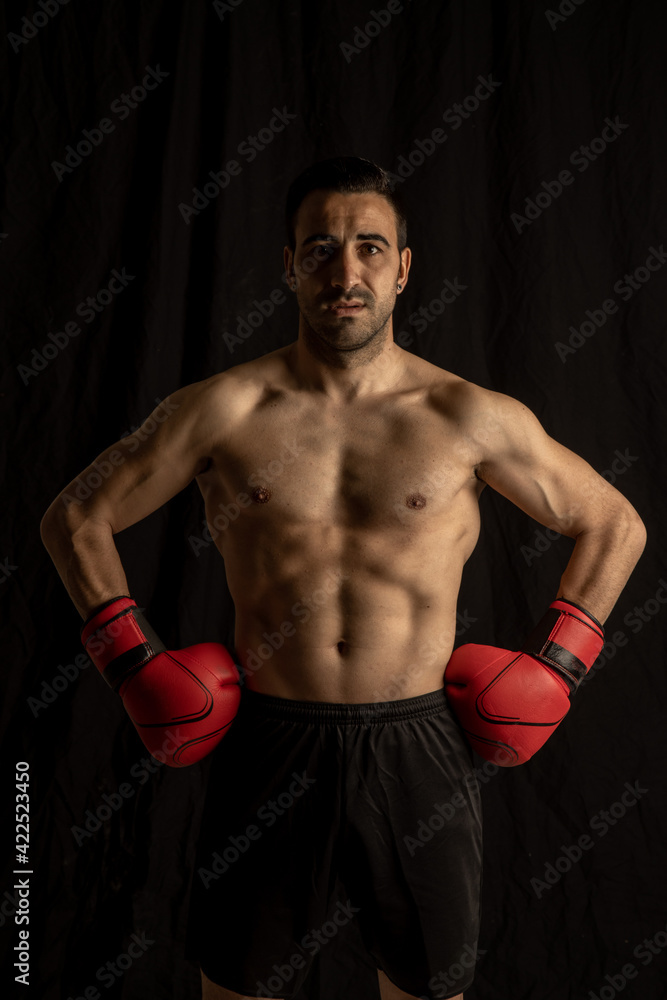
(347, 267)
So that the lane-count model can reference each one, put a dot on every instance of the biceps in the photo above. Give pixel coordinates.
(134, 477)
(555, 487)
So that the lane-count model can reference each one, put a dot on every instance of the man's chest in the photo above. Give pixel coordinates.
(364, 468)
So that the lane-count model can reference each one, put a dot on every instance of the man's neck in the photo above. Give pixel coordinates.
(347, 375)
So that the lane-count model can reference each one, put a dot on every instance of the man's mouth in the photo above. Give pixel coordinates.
(346, 308)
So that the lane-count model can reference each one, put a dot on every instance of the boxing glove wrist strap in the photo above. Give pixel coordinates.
(568, 639)
(119, 640)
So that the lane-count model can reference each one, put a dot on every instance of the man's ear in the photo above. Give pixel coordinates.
(288, 260)
(406, 259)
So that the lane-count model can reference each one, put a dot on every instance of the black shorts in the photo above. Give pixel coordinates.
(320, 814)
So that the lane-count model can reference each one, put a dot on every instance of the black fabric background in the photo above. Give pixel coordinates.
(119, 208)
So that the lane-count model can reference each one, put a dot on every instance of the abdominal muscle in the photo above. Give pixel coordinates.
(320, 627)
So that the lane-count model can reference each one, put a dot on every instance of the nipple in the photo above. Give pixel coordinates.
(416, 501)
(261, 494)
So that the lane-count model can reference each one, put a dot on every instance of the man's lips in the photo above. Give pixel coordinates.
(345, 308)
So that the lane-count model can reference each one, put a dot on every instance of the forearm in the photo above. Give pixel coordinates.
(601, 563)
(86, 559)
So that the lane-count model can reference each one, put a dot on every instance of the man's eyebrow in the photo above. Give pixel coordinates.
(378, 237)
(317, 238)
(327, 237)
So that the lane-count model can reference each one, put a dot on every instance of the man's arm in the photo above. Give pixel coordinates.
(562, 491)
(141, 472)
(509, 702)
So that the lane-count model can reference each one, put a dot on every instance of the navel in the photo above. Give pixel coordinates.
(416, 501)
(261, 494)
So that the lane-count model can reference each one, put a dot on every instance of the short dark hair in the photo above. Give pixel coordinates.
(350, 175)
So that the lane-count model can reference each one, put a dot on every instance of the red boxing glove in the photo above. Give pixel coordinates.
(509, 703)
(181, 703)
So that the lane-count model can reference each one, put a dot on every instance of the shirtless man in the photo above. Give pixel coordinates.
(356, 470)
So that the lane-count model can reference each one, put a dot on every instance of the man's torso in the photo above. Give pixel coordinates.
(344, 528)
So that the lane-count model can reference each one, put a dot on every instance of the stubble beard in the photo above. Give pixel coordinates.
(345, 342)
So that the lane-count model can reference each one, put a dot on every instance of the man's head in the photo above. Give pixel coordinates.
(348, 175)
(346, 257)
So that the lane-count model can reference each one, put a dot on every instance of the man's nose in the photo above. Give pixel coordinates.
(345, 271)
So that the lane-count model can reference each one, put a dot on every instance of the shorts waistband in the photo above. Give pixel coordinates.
(342, 713)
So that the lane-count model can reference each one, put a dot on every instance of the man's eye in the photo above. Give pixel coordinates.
(369, 247)
(322, 252)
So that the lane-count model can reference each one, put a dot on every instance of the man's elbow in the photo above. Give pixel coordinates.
(51, 524)
(61, 519)
(618, 527)
(637, 532)
(629, 530)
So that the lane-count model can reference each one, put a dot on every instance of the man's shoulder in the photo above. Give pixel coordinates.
(235, 389)
(492, 423)
(467, 401)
